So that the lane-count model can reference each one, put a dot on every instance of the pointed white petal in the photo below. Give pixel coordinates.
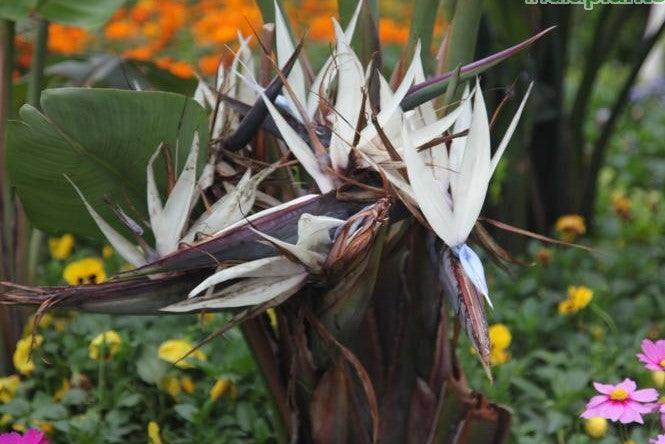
(469, 192)
(154, 199)
(428, 192)
(168, 227)
(300, 149)
(437, 128)
(285, 48)
(462, 123)
(277, 266)
(348, 103)
(473, 268)
(314, 231)
(246, 292)
(231, 208)
(509, 132)
(310, 259)
(124, 248)
(426, 113)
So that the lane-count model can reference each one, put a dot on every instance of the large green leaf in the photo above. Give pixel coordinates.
(102, 139)
(85, 13)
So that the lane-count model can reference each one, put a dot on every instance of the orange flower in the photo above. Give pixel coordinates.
(66, 40)
(142, 11)
(175, 67)
(120, 30)
(141, 53)
(208, 64)
(392, 32)
(320, 28)
(23, 52)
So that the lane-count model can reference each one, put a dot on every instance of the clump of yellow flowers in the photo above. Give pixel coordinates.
(89, 270)
(23, 362)
(578, 298)
(61, 247)
(500, 339)
(570, 227)
(110, 341)
(174, 350)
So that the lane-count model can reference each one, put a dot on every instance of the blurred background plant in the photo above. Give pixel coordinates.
(591, 151)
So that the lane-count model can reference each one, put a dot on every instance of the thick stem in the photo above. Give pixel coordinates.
(9, 325)
(258, 341)
(34, 94)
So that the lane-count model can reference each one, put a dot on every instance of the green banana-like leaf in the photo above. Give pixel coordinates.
(101, 139)
(84, 13)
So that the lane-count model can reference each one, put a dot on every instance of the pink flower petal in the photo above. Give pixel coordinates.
(629, 415)
(34, 436)
(640, 408)
(10, 438)
(654, 351)
(644, 395)
(605, 389)
(610, 410)
(597, 400)
(628, 385)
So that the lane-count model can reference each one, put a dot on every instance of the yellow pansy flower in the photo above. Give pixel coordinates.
(18, 427)
(174, 349)
(61, 247)
(6, 419)
(500, 339)
(154, 436)
(219, 388)
(8, 387)
(187, 384)
(89, 270)
(578, 298)
(570, 226)
(500, 336)
(23, 362)
(272, 317)
(111, 340)
(596, 427)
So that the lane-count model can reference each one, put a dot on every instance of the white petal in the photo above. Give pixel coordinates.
(426, 112)
(314, 231)
(509, 132)
(153, 197)
(168, 227)
(300, 149)
(286, 48)
(325, 75)
(428, 192)
(348, 103)
(247, 292)
(473, 268)
(462, 123)
(307, 257)
(469, 192)
(124, 248)
(276, 266)
(230, 208)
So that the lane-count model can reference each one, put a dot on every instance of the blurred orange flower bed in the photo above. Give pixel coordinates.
(186, 36)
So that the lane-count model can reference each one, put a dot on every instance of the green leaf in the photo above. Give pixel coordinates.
(102, 139)
(150, 368)
(84, 13)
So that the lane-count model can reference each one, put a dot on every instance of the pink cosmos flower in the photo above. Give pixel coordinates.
(32, 436)
(621, 402)
(653, 355)
(660, 439)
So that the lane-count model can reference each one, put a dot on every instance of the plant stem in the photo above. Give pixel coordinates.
(34, 94)
(258, 343)
(38, 62)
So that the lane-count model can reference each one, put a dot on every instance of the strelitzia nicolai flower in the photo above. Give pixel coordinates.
(451, 193)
